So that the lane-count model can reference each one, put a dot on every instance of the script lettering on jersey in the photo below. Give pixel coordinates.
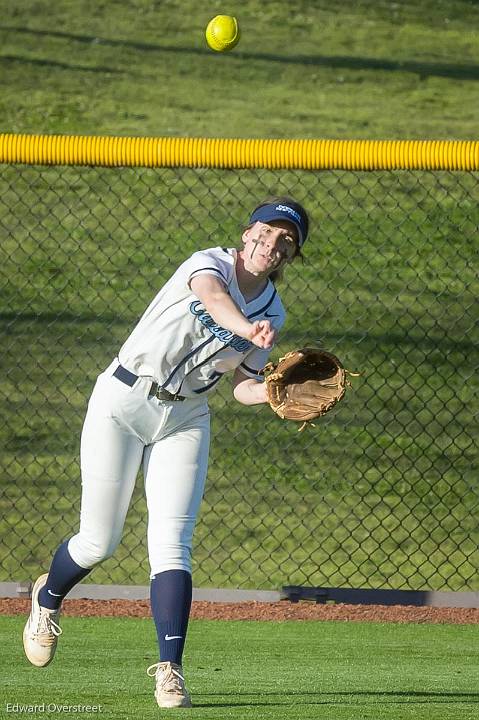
(226, 336)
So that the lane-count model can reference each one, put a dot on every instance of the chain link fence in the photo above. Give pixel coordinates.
(383, 493)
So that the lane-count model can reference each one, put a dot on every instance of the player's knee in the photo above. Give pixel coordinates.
(89, 552)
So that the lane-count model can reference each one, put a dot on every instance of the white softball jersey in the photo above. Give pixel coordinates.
(178, 345)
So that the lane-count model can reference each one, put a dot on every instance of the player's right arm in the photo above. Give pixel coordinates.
(222, 308)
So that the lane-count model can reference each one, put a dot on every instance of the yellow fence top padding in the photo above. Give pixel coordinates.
(238, 153)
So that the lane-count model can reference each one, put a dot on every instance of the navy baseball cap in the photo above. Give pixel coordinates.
(283, 211)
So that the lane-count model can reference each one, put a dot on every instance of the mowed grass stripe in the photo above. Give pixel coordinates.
(261, 669)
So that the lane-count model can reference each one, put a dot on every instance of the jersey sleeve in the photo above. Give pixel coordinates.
(254, 363)
(209, 262)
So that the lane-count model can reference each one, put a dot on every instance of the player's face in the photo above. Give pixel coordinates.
(268, 246)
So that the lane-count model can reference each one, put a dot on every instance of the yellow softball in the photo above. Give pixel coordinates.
(222, 33)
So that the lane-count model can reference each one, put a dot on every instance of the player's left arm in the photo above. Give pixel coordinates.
(248, 391)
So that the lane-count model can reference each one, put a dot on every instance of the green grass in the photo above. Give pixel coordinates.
(313, 69)
(384, 492)
(288, 669)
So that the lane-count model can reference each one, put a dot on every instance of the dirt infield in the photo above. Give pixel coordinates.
(275, 611)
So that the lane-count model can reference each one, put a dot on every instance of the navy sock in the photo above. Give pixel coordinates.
(64, 574)
(170, 594)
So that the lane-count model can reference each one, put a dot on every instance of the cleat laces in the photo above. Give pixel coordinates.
(172, 681)
(47, 629)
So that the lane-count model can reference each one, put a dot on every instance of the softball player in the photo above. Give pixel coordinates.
(219, 312)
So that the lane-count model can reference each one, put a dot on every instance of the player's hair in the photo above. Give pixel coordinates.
(277, 275)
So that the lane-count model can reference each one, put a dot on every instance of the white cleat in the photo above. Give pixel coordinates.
(42, 630)
(170, 689)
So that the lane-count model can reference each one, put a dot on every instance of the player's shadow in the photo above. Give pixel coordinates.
(410, 697)
(341, 62)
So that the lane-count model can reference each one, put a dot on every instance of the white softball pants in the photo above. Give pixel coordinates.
(123, 428)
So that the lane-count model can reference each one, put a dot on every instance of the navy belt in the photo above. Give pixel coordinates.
(129, 378)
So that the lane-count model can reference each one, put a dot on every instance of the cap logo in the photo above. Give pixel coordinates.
(270, 212)
(290, 211)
